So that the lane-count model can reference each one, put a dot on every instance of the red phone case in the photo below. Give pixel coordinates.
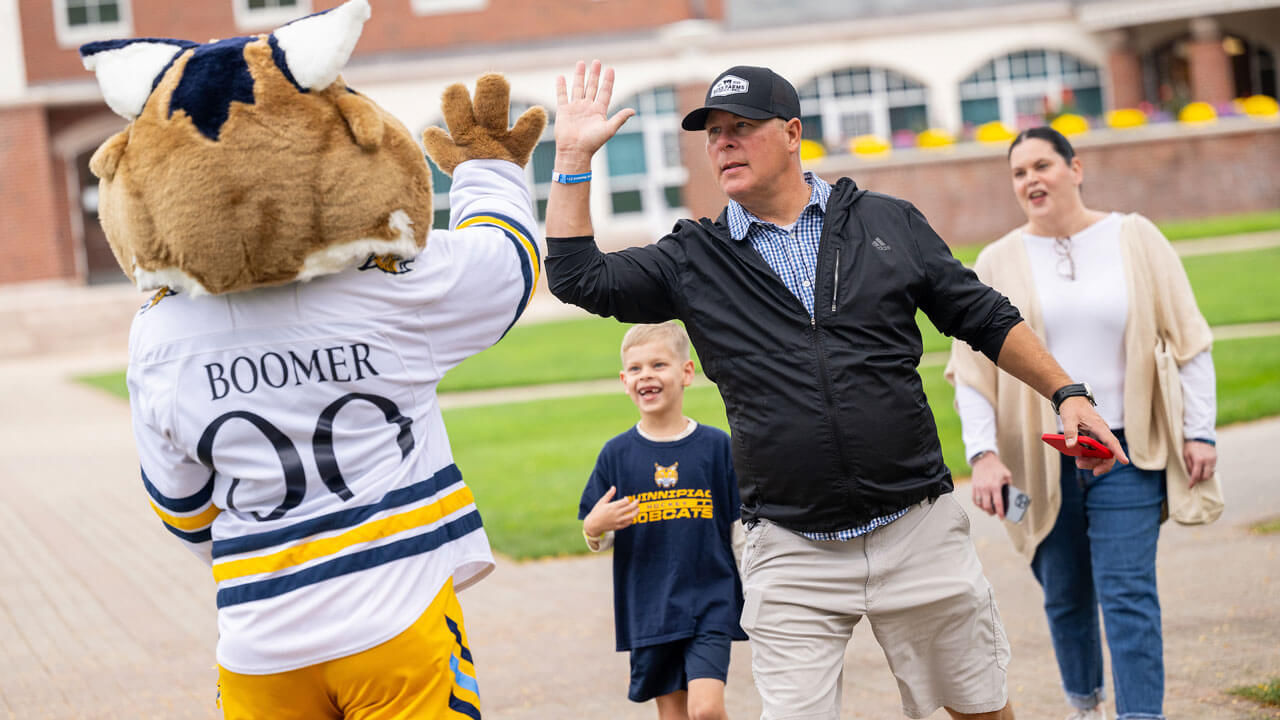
(1085, 446)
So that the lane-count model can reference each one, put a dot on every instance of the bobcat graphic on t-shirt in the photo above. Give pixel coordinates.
(665, 475)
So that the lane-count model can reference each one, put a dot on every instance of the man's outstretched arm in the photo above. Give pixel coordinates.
(1023, 356)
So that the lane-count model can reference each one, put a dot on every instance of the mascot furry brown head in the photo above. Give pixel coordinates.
(248, 162)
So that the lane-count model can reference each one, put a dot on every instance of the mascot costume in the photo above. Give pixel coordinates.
(283, 375)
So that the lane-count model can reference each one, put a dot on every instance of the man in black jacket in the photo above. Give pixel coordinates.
(801, 301)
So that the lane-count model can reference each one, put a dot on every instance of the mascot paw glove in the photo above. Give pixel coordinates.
(479, 130)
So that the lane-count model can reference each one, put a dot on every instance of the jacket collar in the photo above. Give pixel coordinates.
(741, 219)
(844, 191)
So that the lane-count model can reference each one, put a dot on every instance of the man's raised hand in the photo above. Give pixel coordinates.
(582, 123)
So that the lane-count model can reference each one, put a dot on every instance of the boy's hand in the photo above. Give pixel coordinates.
(609, 514)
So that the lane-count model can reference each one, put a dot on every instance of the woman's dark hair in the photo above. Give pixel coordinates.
(1059, 141)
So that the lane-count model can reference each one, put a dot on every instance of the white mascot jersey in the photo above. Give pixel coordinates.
(292, 437)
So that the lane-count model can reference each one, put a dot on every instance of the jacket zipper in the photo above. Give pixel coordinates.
(824, 369)
(835, 282)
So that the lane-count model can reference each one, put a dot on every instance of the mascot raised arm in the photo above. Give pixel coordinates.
(283, 375)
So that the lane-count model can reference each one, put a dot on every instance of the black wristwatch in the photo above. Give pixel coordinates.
(1072, 390)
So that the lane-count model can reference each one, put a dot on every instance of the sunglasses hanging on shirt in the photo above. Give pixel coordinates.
(1066, 265)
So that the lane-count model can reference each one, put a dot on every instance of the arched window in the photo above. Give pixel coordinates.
(644, 172)
(1020, 87)
(843, 104)
(537, 172)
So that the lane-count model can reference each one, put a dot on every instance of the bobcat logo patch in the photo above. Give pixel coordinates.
(666, 476)
(389, 264)
(159, 295)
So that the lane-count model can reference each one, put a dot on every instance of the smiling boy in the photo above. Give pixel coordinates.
(676, 591)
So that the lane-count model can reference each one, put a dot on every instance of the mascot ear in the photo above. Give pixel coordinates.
(316, 47)
(127, 70)
(362, 118)
(107, 157)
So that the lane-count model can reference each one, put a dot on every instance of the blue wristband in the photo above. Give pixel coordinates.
(1206, 441)
(570, 179)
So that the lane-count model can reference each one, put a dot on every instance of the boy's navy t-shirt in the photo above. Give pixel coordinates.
(673, 569)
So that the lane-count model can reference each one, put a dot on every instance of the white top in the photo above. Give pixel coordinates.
(292, 438)
(1084, 320)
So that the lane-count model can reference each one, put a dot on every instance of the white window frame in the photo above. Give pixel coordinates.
(264, 18)
(651, 125)
(73, 36)
(1007, 89)
(834, 107)
(442, 7)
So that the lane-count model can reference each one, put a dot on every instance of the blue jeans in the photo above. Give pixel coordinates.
(1102, 551)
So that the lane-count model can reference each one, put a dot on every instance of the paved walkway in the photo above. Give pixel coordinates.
(102, 615)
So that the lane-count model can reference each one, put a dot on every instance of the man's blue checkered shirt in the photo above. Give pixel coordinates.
(794, 257)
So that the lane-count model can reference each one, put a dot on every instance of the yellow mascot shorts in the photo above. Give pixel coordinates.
(424, 672)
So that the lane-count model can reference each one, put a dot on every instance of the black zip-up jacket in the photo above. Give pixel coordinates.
(830, 423)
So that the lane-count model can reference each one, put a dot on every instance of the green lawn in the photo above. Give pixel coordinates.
(582, 349)
(1221, 225)
(111, 382)
(1248, 372)
(1236, 287)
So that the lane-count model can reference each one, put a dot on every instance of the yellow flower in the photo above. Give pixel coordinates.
(1261, 106)
(1197, 113)
(1126, 118)
(868, 145)
(993, 133)
(1070, 124)
(934, 138)
(811, 150)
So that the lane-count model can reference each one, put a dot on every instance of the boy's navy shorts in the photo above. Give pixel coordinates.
(663, 669)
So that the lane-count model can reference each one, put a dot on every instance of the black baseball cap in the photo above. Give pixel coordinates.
(752, 92)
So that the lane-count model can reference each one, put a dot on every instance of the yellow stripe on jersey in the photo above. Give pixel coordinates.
(368, 532)
(188, 523)
(530, 248)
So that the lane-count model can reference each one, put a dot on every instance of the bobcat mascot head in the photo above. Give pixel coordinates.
(248, 162)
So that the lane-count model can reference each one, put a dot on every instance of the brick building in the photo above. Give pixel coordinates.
(879, 67)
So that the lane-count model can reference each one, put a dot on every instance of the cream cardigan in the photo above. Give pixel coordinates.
(1160, 301)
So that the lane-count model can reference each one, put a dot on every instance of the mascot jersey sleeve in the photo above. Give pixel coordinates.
(291, 435)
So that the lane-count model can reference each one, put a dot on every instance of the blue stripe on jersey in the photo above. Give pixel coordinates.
(461, 679)
(463, 707)
(354, 562)
(196, 537)
(526, 249)
(350, 517)
(179, 505)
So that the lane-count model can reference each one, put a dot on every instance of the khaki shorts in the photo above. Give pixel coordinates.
(920, 584)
